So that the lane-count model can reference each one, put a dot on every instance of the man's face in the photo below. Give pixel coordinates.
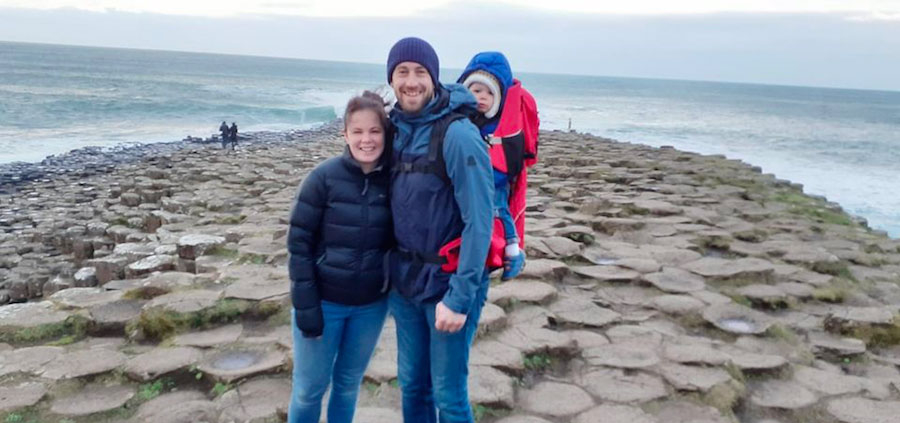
(412, 86)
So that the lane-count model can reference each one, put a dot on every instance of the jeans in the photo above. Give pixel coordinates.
(339, 357)
(433, 366)
(501, 206)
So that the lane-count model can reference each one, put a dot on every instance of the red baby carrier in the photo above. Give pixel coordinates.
(513, 149)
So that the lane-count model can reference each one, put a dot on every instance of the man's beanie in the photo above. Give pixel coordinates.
(412, 49)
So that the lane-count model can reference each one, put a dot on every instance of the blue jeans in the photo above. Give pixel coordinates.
(433, 366)
(501, 206)
(339, 357)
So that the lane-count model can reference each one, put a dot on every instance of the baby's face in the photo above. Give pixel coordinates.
(483, 96)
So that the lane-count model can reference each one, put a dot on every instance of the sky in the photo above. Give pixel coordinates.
(831, 43)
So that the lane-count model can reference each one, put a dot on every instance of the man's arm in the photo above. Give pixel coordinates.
(469, 168)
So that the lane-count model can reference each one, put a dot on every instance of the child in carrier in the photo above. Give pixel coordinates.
(507, 117)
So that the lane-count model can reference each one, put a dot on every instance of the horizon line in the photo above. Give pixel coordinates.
(163, 50)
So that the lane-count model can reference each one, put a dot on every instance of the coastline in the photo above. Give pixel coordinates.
(698, 283)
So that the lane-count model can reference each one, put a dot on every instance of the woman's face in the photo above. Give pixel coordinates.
(365, 136)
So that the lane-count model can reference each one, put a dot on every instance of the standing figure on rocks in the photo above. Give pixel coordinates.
(441, 192)
(508, 120)
(226, 134)
(340, 230)
(233, 134)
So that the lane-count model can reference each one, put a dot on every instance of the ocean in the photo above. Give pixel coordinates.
(843, 144)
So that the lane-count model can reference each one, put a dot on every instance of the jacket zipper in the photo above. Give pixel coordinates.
(365, 222)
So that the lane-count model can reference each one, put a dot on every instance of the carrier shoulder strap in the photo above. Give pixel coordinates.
(436, 162)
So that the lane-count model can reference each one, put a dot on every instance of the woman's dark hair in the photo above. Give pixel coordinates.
(367, 101)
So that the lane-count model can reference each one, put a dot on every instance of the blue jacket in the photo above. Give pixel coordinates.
(428, 213)
(340, 229)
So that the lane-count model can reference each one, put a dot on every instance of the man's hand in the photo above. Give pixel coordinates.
(446, 320)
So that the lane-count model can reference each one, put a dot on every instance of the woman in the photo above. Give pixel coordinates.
(339, 231)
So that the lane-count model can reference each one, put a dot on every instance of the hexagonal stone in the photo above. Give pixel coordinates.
(115, 315)
(161, 283)
(586, 339)
(21, 395)
(28, 360)
(695, 353)
(256, 400)
(522, 291)
(643, 265)
(377, 415)
(488, 352)
(724, 269)
(520, 419)
(83, 363)
(489, 386)
(675, 280)
(828, 383)
(241, 362)
(555, 399)
(154, 263)
(582, 312)
(853, 317)
(185, 301)
(737, 319)
(609, 413)
(561, 246)
(196, 245)
(93, 399)
(29, 315)
(687, 412)
(492, 318)
(823, 343)
(210, 338)
(781, 394)
(544, 269)
(150, 365)
(631, 355)
(767, 295)
(615, 385)
(861, 410)
(531, 340)
(84, 297)
(747, 361)
(178, 407)
(607, 273)
(676, 304)
(256, 282)
(693, 378)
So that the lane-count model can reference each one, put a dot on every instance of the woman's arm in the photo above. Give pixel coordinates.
(303, 236)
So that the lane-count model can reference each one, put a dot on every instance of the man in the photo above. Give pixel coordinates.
(437, 197)
(233, 134)
(226, 134)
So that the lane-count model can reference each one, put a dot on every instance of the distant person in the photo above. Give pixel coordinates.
(507, 118)
(340, 230)
(233, 134)
(226, 133)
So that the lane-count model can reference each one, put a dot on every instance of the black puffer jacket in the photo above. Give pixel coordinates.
(340, 230)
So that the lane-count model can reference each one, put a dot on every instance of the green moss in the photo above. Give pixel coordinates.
(252, 259)
(224, 252)
(158, 324)
(811, 208)
(874, 335)
(149, 391)
(220, 388)
(753, 235)
(73, 329)
(537, 362)
(231, 220)
(830, 294)
(724, 396)
(481, 412)
(783, 333)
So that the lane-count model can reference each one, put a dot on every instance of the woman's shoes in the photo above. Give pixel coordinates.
(512, 266)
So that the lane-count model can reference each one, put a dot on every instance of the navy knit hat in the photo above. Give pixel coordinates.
(412, 49)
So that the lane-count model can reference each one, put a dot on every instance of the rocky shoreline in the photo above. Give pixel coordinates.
(89, 161)
(661, 286)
